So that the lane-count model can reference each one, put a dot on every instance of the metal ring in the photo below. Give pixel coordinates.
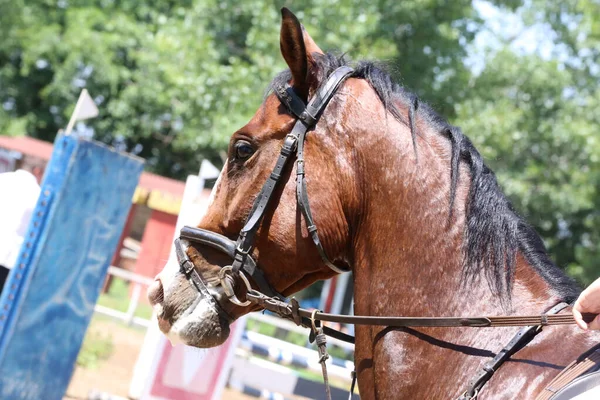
(228, 288)
(466, 393)
(312, 320)
(223, 271)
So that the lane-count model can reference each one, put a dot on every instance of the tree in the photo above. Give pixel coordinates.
(535, 119)
(174, 79)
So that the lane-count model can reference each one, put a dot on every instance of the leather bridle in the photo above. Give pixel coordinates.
(244, 266)
(241, 252)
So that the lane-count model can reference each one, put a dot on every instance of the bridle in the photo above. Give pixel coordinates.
(241, 251)
(244, 266)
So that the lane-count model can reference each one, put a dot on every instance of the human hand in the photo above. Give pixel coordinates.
(588, 302)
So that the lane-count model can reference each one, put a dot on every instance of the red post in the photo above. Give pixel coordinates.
(156, 243)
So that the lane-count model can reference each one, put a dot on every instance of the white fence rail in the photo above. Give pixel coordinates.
(292, 327)
(137, 281)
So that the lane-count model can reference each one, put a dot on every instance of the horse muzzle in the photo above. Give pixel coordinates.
(192, 298)
(198, 299)
(187, 316)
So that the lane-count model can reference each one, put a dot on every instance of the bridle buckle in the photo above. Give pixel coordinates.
(226, 280)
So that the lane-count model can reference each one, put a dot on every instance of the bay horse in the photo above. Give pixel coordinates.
(403, 200)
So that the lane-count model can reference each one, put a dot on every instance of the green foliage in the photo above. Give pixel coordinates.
(174, 79)
(535, 119)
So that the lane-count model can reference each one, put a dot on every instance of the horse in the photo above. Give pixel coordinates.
(404, 201)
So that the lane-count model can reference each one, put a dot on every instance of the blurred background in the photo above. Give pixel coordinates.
(174, 79)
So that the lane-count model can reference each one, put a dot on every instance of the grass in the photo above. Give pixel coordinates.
(117, 298)
(96, 347)
(271, 330)
(99, 346)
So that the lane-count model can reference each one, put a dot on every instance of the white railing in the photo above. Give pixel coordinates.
(292, 327)
(128, 316)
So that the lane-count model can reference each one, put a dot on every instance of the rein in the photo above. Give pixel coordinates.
(270, 299)
(293, 312)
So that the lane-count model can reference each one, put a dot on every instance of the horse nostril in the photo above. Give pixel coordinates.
(156, 293)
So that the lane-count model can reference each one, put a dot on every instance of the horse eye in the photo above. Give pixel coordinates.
(243, 150)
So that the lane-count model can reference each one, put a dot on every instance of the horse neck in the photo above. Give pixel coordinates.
(407, 257)
(408, 247)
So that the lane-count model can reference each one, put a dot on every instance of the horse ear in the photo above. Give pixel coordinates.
(310, 45)
(296, 48)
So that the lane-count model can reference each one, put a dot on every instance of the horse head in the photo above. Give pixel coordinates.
(284, 251)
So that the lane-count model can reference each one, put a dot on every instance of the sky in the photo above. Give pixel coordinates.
(502, 25)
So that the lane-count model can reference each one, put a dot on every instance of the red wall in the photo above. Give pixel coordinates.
(126, 230)
(156, 243)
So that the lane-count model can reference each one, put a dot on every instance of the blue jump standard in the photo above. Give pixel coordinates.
(49, 297)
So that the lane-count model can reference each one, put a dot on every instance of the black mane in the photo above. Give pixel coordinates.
(494, 231)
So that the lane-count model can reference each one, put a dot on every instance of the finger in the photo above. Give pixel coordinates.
(595, 324)
(579, 319)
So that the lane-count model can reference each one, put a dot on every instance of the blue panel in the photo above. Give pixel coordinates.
(50, 295)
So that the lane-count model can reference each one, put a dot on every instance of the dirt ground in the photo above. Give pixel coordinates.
(114, 374)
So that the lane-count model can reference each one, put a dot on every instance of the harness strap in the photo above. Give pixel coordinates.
(294, 142)
(523, 336)
(351, 394)
(291, 100)
(314, 108)
(224, 245)
(245, 243)
(286, 310)
(585, 363)
(304, 205)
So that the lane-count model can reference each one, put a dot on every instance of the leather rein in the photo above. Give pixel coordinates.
(266, 297)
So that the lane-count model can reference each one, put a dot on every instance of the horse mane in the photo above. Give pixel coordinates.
(494, 230)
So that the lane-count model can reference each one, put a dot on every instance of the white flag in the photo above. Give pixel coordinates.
(84, 109)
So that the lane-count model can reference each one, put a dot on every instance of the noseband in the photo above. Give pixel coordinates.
(241, 251)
